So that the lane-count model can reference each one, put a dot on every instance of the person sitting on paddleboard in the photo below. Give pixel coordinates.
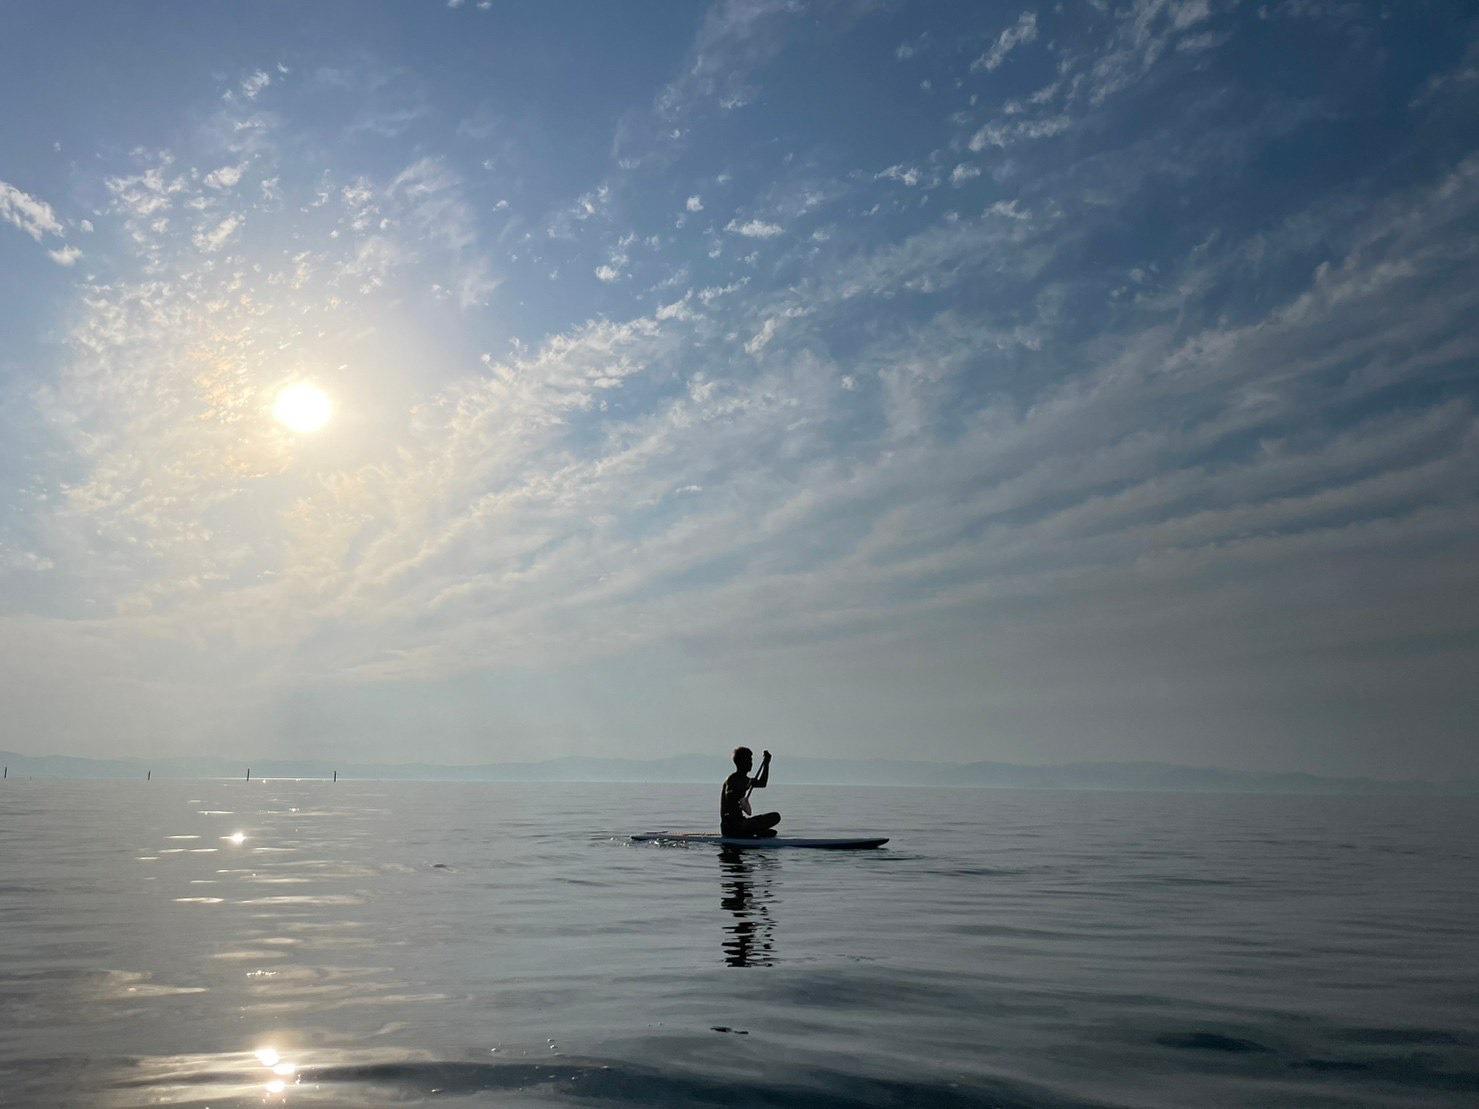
(735, 818)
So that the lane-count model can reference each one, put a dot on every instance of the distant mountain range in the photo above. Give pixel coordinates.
(711, 768)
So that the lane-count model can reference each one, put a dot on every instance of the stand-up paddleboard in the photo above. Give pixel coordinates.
(823, 843)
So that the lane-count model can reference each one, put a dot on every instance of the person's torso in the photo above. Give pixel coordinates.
(734, 797)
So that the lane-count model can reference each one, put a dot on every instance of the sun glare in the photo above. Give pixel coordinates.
(302, 407)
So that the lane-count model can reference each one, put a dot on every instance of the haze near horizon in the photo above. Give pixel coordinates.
(493, 381)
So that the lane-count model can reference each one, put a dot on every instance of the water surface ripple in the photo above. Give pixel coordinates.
(287, 942)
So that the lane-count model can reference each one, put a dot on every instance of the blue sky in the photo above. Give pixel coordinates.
(1085, 380)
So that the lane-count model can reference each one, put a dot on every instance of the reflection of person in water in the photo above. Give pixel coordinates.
(746, 893)
(735, 818)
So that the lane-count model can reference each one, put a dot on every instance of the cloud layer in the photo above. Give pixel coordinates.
(1076, 411)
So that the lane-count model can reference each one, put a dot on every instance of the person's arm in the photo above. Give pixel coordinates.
(759, 781)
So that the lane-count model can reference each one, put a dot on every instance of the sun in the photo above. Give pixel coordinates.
(302, 407)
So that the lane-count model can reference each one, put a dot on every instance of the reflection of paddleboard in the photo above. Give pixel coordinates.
(830, 844)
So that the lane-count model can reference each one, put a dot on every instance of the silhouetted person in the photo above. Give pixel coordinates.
(735, 818)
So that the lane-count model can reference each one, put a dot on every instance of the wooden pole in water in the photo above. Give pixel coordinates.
(148, 774)
(336, 775)
(249, 774)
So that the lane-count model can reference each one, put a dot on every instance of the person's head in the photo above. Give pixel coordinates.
(744, 758)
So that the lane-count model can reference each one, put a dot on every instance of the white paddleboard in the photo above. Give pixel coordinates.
(823, 843)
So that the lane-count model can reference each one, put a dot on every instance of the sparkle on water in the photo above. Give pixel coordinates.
(1236, 944)
(302, 407)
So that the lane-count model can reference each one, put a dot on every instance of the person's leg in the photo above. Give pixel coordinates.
(752, 827)
(765, 823)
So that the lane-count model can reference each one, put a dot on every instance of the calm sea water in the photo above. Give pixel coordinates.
(221, 943)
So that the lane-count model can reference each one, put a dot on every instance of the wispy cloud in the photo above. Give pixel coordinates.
(21, 209)
(1005, 134)
(431, 196)
(734, 38)
(1083, 429)
(1018, 34)
(225, 177)
(37, 219)
(252, 85)
(905, 175)
(754, 228)
(215, 237)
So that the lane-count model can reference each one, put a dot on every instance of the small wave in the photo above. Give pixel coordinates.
(1402, 1036)
(583, 1080)
(1211, 1041)
(1413, 1068)
(132, 985)
(305, 899)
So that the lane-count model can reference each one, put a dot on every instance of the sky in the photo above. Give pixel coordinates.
(1047, 382)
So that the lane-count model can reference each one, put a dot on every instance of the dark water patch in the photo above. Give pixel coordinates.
(843, 990)
(976, 871)
(51, 1080)
(20, 980)
(584, 1080)
(1401, 1036)
(1212, 1041)
(1172, 880)
(1332, 1065)
(1413, 1070)
(1097, 893)
(1007, 931)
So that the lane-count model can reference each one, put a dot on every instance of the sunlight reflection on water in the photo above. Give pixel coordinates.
(1009, 948)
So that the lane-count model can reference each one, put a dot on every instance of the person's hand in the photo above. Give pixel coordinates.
(767, 756)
